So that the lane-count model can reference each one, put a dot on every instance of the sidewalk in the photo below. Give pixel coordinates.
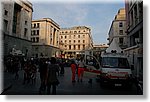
(7, 81)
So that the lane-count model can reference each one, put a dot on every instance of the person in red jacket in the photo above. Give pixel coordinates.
(73, 69)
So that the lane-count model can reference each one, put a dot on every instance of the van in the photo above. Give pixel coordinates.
(111, 67)
(115, 69)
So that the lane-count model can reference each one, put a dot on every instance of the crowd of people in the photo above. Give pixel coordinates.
(49, 69)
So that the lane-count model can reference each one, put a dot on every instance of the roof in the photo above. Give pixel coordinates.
(114, 46)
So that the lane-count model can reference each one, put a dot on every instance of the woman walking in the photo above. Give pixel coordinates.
(53, 70)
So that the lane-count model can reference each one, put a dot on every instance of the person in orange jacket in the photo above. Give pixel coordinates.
(73, 69)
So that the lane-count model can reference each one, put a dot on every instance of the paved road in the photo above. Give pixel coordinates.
(66, 87)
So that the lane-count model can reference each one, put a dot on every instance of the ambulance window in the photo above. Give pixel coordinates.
(91, 61)
(114, 62)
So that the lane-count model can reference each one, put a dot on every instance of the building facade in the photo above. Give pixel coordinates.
(45, 38)
(97, 49)
(76, 41)
(16, 21)
(134, 14)
(118, 29)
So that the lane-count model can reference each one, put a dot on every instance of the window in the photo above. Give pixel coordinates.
(78, 47)
(75, 32)
(33, 39)
(121, 32)
(114, 62)
(83, 47)
(15, 18)
(38, 25)
(74, 47)
(78, 36)
(6, 12)
(51, 41)
(31, 32)
(34, 25)
(5, 25)
(57, 43)
(65, 41)
(69, 47)
(120, 24)
(61, 37)
(65, 37)
(37, 39)
(26, 22)
(25, 32)
(74, 41)
(74, 36)
(34, 32)
(69, 41)
(121, 40)
(37, 32)
(83, 41)
(78, 41)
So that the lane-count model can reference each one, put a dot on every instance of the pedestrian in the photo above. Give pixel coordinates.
(33, 73)
(52, 80)
(16, 68)
(73, 69)
(81, 66)
(62, 70)
(76, 62)
(26, 72)
(43, 72)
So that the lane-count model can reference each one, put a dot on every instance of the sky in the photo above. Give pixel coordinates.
(96, 14)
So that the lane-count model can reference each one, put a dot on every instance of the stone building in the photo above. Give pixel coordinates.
(118, 29)
(77, 40)
(16, 30)
(134, 14)
(45, 38)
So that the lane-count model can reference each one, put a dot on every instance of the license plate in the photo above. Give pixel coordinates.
(118, 84)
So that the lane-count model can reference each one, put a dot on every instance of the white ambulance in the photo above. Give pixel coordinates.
(115, 68)
(112, 67)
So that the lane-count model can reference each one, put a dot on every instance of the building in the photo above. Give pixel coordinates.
(134, 14)
(118, 29)
(77, 41)
(45, 38)
(97, 49)
(16, 20)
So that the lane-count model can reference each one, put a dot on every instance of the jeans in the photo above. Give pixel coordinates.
(53, 89)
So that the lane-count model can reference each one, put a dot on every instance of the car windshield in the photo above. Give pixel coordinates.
(114, 62)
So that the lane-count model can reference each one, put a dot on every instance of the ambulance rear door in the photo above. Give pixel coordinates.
(92, 69)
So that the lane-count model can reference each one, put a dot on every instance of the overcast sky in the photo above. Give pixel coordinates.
(68, 13)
